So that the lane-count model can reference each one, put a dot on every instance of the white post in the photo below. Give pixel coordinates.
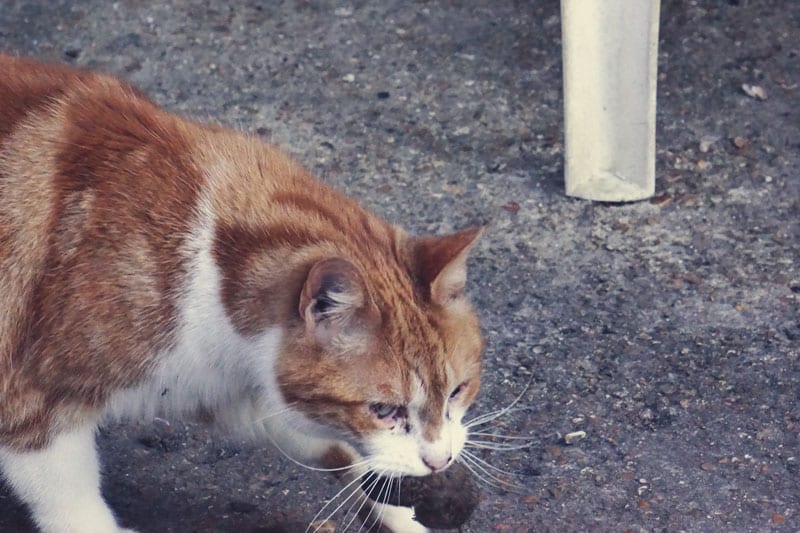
(610, 52)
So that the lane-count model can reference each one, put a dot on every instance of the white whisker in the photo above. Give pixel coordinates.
(479, 465)
(399, 486)
(482, 419)
(499, 436)
(356, 480)
(497, 446)
(365, 522)
(375, 503)
(489, 465)
(276, 412)
(480, 477)
(364, 498)
(315, 468)
(493, 415)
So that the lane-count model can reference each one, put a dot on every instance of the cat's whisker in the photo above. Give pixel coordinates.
(481, 465)
(490, 466)
(381, 511)
(480, 419)
(363, 501)
(355, 481)
(376, 500)
(363, 462)
(499, 436)
(399, 479)
(480, 477)
(366, 521)
(488, 417)
(493, 415)
(275, 413)
(497, 446)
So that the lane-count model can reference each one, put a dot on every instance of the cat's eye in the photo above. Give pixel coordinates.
(457, 390)
(383, 410)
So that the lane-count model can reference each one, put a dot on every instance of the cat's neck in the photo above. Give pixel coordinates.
(273, 221)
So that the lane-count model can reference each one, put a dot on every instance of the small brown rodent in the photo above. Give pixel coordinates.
(444, 500)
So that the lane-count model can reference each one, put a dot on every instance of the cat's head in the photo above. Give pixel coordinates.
(387, 350)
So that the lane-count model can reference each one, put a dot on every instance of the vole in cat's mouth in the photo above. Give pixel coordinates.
(140, 252)
(442, 500)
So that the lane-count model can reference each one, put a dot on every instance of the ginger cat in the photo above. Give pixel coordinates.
(153, 266)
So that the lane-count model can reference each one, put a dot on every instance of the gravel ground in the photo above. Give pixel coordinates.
(667, 330)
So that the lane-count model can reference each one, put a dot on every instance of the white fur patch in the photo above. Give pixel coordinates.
(213, 369)
(61, 484)
(400, 519)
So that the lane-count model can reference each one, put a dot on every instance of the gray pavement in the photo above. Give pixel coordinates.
(667, 330)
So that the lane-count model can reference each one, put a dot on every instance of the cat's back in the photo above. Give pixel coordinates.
(97, 195)
(28, 89)
(74, 145)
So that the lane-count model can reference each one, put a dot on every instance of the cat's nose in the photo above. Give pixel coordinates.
(437, 462)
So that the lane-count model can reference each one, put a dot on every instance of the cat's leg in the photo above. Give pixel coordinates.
(61, 484)
(392, 518)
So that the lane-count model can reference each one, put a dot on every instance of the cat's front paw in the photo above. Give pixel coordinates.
(398, 519)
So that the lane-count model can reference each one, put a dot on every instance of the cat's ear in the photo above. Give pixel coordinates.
(333, 304)
(441, 264)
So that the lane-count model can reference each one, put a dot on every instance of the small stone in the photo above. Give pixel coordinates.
(740, 142)
(569, 438)
(349, 78)
(661, 199)
(706, 142)
(382, 95)
(754, 91)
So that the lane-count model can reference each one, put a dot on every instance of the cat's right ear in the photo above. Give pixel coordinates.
(441, 264)
(333, 304)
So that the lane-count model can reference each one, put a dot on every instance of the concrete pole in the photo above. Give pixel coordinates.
(610, 53)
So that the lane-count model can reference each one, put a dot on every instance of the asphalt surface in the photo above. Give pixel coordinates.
(667, 330)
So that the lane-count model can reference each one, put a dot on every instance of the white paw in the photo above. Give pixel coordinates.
(127, 530)
(399, 519)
